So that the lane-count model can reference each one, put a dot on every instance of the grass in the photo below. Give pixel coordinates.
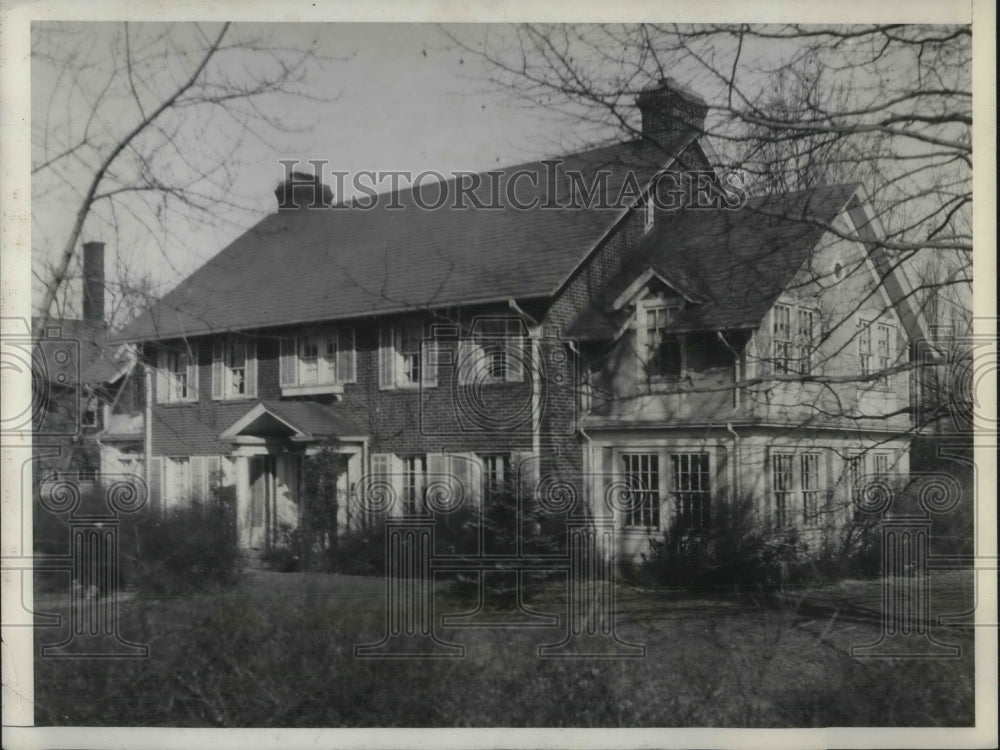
(278, 650)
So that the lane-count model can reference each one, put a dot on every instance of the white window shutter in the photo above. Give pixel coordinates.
(250, 389)
(289, 361)
(515, 358)
(162, 382)
(386, 357)
(218, 368)
(199, 477)
(468, 361)
(346, 357)
(429, 363)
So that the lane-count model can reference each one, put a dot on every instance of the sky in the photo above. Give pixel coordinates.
(390, 97)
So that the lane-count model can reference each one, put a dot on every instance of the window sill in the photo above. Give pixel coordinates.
(336, 389)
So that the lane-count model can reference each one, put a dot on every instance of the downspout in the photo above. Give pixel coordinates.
(147, 377)
(534, 331)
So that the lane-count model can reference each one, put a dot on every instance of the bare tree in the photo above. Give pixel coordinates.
(149, 136)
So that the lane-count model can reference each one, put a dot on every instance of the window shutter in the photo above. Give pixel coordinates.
(218, 368)
(346, 357)
(161, 377)
(251, 369)
(515, 358)
(429, 363)
(199, 477)
(386, 357)
(289, 361)
(192, 373)
(467, 361)
(155, 483)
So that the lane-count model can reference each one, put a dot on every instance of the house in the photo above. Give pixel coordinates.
(679, 350)
(79, 377)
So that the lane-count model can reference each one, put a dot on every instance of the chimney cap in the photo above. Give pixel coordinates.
(669, 84)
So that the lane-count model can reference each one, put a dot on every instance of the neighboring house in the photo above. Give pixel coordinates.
(77, 375)
(575, 348)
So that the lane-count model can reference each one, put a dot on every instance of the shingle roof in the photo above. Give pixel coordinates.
(738, 261)
(309, 265)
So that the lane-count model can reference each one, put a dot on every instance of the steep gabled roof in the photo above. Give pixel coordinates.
(739, 261)
(306, 265)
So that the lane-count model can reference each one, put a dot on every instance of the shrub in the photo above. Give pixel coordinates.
(736, 550)
(189, 547)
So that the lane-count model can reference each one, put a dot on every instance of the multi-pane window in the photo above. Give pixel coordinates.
(177, 376)
(502, 343)
(797, 487)
(691, 489)
(782, 481)
(411, 349)
(804, 340)
(855, 479)
(641, 472)
(234, 368)
(319, 357)
(809, 482)
(782, 337)
(414, 482)
(875, 348)
(663, 349)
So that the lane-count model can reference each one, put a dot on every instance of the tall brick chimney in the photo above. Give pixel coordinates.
(93, 281)
(669, 109)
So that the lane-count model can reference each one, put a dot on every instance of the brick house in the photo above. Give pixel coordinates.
(557, 340)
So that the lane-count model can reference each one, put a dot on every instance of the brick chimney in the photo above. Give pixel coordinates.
(669, 109)
(93, 281)
(303, 190)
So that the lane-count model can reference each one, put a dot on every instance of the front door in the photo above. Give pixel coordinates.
(262, 489)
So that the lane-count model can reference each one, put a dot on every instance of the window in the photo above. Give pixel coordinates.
(805, 340)
(691, 490)
(641, 472)
(234, 368)
(496, 474)
(664, 351)
(177, 480)
(318, 359)
(793, 332)
(177, 376)
(502, 343)
(797, 487)
(411, 350)
(414, 482)
(809, 480)
(782, 481)
(875, 349)
(855, 480)
(406, 357)
(782, 332)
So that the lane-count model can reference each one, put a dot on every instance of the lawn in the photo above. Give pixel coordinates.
(278, 650)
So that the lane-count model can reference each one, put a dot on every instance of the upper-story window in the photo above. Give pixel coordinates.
(664, 351)
(793, 339)
(234, 368)
(875, 349)
(406, 356)
(176, 376)
(317, 360)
